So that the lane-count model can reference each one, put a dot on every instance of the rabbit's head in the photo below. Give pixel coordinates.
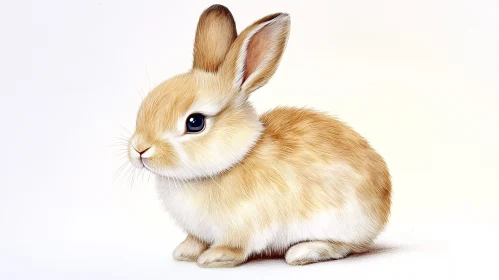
(199, 124)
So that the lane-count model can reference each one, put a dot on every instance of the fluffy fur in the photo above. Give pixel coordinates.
(293, 181)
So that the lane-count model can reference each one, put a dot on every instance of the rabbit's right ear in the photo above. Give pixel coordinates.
(254, 56)
(215, 34)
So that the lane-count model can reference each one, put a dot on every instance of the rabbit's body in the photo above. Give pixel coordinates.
(292, 180)
(305, 179)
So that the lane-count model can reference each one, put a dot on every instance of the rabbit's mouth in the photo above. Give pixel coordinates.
(144, 165)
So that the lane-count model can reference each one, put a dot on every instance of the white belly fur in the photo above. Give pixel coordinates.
(348, 224)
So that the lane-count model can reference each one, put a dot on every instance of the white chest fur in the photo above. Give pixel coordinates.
(179, 202)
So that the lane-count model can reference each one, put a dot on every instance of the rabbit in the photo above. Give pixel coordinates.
(292, 182)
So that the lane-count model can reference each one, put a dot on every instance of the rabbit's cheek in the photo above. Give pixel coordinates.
(160, 156)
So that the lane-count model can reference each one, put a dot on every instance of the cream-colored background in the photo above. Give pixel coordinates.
(419, 79)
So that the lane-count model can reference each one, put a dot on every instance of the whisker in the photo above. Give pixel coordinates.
(132, 179)
(123, 139)
(142, 172)
(149, 80)
(130, 134)
(120, 168)
(141, 94)
(122, 153)
(128, 172)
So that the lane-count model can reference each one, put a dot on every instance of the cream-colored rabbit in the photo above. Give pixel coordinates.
(292, 181)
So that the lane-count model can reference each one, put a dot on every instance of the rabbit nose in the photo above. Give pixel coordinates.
(141, 152)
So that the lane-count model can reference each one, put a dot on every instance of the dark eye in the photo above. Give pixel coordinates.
(195, 123)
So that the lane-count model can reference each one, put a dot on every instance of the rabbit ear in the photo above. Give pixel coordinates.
(254, 56)
(215, 34)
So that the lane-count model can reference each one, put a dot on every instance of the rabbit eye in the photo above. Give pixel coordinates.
(195, 123)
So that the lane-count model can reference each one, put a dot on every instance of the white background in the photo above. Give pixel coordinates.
(418, 79)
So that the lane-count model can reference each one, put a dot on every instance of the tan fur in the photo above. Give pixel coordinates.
(258, 44)
(316, 251)
(245, 174)
(221, 256)
(190, 249)
(215, 33)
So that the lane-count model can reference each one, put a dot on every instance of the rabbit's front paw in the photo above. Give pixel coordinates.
(189, 250)
(221, 257)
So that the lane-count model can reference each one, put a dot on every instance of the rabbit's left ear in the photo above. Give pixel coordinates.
(254, 56)
(215, 34)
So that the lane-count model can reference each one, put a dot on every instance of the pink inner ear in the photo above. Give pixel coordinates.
(258, 46)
